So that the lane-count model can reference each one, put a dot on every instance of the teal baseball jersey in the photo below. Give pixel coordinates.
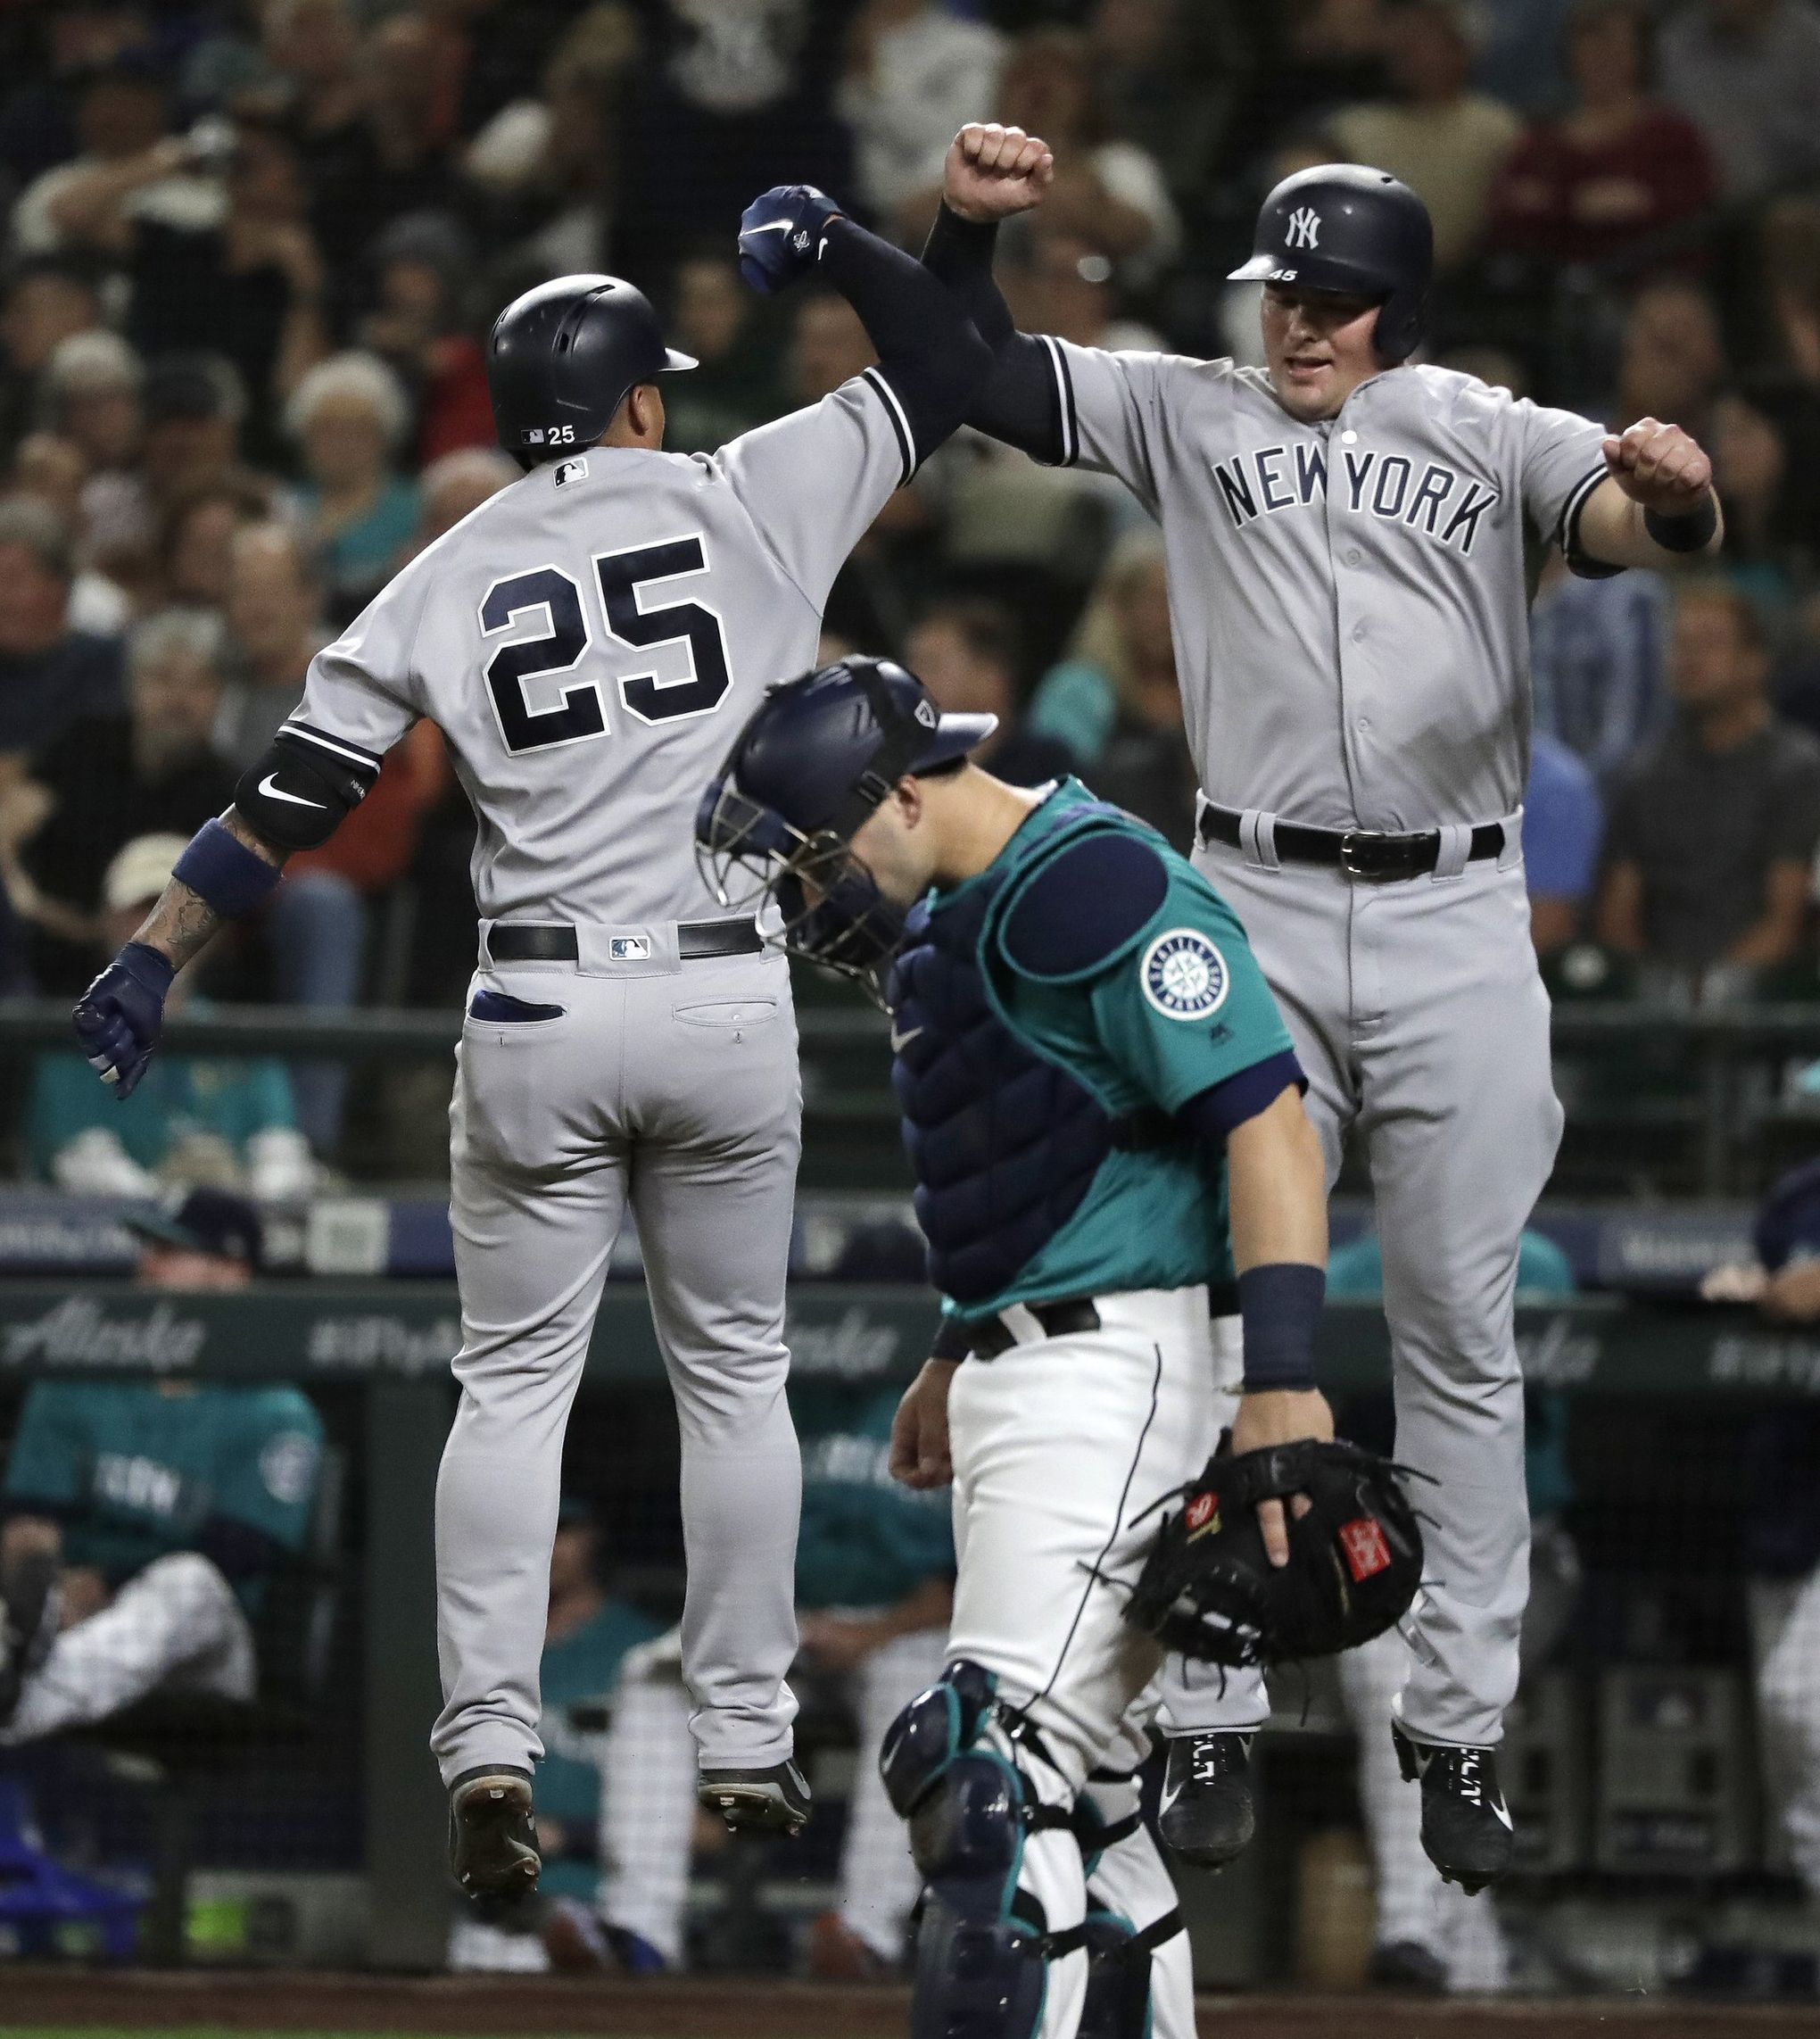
(1106, 959)
(135, 1472)
(865, 1541)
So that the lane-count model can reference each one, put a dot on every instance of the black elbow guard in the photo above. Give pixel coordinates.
(297, 795)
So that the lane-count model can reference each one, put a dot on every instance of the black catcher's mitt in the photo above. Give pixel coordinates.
(1355, 1558)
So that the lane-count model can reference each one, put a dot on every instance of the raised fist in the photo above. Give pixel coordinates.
(992, 171)
(781, 235)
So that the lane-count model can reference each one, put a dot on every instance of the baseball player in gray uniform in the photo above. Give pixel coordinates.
(587, 639)
(1345, 541)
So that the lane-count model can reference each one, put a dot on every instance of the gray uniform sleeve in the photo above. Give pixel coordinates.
(812, 483)
(1112, 410)
(359, 696)
(1559, 461)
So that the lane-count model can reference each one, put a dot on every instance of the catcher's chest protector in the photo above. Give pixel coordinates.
(1004, 1144)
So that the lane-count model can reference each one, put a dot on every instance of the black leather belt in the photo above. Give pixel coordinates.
(1057, 1320)
(1358, 852)
(526, 942)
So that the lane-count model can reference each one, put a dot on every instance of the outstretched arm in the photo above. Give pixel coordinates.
(1656, 504)
(992, 172)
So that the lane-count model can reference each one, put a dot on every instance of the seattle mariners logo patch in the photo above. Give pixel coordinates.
(1304, 229)
(1185, 977)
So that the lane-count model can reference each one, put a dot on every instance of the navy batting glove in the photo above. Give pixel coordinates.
(119, 1018)
(781, 235)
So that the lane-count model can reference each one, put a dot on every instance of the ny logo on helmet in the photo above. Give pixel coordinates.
(1304, 229)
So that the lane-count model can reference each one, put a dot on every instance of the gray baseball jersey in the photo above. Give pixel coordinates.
(1352, 634)
(589, 642)
(591, 638)
(1351, 613)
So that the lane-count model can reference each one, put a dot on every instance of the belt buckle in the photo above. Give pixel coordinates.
(1376, 859)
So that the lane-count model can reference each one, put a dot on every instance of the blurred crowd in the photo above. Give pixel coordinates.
(251, 250)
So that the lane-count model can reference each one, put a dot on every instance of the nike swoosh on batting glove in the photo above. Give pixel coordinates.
(119, 1019)
(781, 235)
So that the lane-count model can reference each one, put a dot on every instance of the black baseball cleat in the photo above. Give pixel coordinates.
(492, 1836)
(27, 1621)
(774, 1801)
(1206, 1815)
(1467, 1828)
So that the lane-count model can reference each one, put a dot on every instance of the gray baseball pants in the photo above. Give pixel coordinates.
(671, 1087)
(1420, 1020)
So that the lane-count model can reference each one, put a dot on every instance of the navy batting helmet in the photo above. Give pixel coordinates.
(1341, 226)
(561, 358)
(817, 761)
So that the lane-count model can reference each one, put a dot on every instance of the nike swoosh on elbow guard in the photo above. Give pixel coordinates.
(296, 800)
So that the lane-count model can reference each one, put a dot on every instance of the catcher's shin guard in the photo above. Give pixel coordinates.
(983, 1946)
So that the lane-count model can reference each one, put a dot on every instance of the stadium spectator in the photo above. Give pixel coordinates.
(1521, 56)
(276, 628)
(228, 1125)
(121, 114)
(725, 102)
(1309, 57)
(393, 160)
(549, 165)
(1115, 701)
(1711, 908)
(1110, 193)
(1598, 651)
(112, 777)
(1749, 72)
(1769, 549)
(144, 1520)
(965, 652)
(92, 388)
(874, 1590)
(914, 74)
(48, 299)
(194, 558)
(1446, 142)
(1055, 281)
(51, 676)
(414, 326)
(349, 417)
(1562, 822)
(587, 1636)
(459, 482)
(736, 385)
(310, 50)
(1617, 166)
(248, 285)
(1673, 359)
(1171, 74)
(55, 472)
(194, 405)
(37, 121)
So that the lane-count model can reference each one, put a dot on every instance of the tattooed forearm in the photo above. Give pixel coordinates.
(182, 923)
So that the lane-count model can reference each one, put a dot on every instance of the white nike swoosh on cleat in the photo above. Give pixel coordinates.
(1503, 1814)
(900, 1041)
(276, 793)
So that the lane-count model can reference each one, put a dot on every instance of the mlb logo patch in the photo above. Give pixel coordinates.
(629, 948)
(1201, 1514)
(1366, 1550)
(571, 471)
(533, 435)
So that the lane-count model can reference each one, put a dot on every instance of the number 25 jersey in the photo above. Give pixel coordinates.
(590, 640)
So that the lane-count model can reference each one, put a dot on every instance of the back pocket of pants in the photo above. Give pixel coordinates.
(490, 1005)
(727, 1012)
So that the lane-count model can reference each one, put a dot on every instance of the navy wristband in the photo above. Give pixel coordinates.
(953, 1339)
(224, 873)
(1280, 1307)
(1686, 534)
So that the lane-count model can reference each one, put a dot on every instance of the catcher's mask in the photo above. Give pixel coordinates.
(814, 762)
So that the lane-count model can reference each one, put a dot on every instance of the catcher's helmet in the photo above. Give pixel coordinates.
(1341, 226)
(818, 757)
(561, 358)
